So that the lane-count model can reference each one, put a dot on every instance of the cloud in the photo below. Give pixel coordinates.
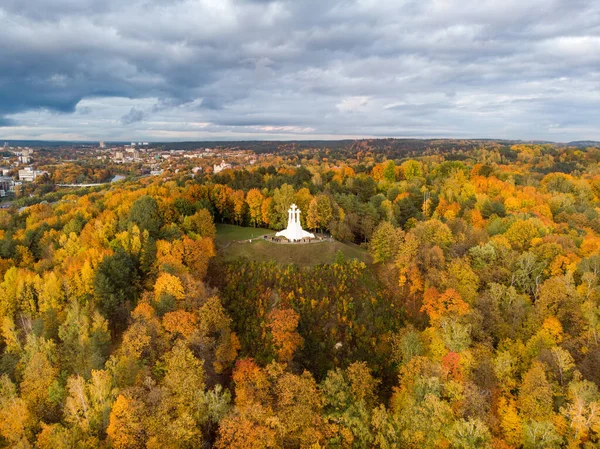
(265, 68)
(352, 104)
(133, 116)
(6, 122)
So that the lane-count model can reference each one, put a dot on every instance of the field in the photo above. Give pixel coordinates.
(227, 233)
(262, 251)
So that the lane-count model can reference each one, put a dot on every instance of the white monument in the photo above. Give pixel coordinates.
(294, 231)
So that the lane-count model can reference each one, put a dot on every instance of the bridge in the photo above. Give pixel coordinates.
(83, 185)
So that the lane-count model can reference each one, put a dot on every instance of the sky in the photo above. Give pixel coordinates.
(168, 70)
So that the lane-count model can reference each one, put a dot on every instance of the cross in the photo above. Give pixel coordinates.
(294, 214)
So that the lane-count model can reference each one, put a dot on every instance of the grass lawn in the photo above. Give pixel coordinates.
(230, 248)
(301, 255)
(227, 233)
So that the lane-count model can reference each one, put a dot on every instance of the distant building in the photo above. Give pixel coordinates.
(222, 166)
(102, 145)
(7, 185)
(29, 174)
(25, 156)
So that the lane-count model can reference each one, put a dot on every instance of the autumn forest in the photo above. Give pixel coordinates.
(473, 320)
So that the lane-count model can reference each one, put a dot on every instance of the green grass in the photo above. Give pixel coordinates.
(227, 233)
(230, 248)
(301, 255)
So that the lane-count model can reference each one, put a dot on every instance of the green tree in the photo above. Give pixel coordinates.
(144, 213)
(389, 172)
(116, 286)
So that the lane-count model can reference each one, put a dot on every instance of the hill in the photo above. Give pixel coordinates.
(231, 244)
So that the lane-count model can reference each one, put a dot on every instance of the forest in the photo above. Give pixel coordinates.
(475, 325)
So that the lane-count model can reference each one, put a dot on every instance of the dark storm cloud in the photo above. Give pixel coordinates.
(6, 122)
(133, 116)
(522, 69)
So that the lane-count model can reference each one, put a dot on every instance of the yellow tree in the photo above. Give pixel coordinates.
(125, 429)
(167, 284)
(302, 200)
(239, 205)
(255, 199)
(14, 415)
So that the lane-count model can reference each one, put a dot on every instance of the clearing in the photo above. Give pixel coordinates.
(230, 248)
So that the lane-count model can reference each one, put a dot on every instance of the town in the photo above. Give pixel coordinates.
(30, 170)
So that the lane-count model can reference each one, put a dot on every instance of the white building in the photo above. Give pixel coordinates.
(29, 174)
(294, 231)
(222, 166)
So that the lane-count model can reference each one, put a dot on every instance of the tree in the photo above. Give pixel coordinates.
(349, 399)
(283, 198)
(521, 232)
(239, 206)
(312, 215)
(412, 169)
(88, 404)
(197, 254)
(85, 339)
(447, 304)
(385, 242)
(115, 285)
(302, 199)
(266, 211)
(40, 387)
(247, 425)
(201, 223)
(126, 429)
(542, 434)
(144, 213)
(182, 409)
(283, 324)
(470, 434)
(14, 414)
(320, 212)
(167, 284)
(216, 335)
(255, 199)
(535, 394)
(389, 172)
